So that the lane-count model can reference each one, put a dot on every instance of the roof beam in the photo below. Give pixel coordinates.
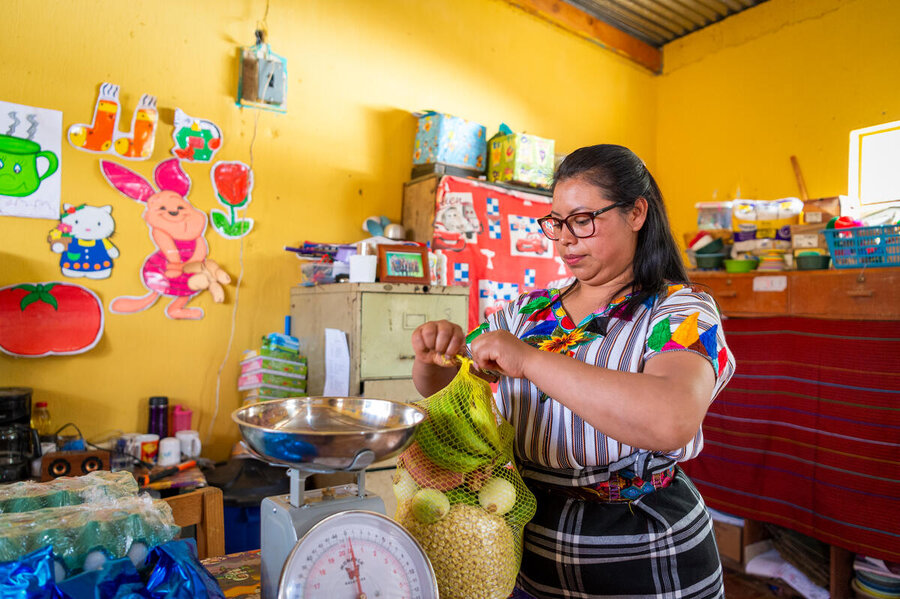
(588, 27)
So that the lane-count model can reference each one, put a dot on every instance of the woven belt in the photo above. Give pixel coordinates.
(622, 486)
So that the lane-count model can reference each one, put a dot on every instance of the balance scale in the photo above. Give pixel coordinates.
(335, 543)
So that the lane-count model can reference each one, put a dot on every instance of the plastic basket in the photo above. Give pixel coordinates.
(861, 247)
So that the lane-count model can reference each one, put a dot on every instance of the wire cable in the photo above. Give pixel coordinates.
(237, 286)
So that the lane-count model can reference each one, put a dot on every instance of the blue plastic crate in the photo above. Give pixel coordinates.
(241, 528)
(864, 247)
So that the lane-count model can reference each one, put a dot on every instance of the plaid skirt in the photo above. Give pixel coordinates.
(660, 545)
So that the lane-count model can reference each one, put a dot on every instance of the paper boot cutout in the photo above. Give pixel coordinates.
(98, 136)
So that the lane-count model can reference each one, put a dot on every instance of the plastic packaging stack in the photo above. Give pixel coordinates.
(760, 227)
(106, 530)
(275, 371)
(460, 495)
(96, 487)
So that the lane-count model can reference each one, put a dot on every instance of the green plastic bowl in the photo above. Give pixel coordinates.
(709, 261)
(741, 265)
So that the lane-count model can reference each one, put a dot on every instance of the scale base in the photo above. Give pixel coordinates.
(283, 524)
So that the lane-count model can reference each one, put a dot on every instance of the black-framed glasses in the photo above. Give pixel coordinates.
(580, 224)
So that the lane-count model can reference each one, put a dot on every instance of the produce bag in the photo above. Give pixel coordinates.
(459, 493)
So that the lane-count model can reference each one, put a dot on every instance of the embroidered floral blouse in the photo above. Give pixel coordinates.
(549, 436)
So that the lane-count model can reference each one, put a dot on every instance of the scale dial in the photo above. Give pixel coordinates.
(357, 554)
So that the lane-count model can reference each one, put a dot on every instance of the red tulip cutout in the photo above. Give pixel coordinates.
(233, 182)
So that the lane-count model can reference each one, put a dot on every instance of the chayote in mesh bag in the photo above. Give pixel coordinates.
(459, 493)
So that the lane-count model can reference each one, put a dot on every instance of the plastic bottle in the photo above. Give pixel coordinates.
(181, 419)
(40, 421)
(158, 423)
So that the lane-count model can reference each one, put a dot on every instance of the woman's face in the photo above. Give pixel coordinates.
(608, 254)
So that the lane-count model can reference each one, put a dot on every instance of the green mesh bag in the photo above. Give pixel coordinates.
(459, 493)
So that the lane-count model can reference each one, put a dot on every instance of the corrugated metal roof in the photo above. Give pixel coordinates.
(658, 22)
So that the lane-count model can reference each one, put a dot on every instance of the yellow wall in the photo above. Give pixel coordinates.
(341, 153)
(788, 77)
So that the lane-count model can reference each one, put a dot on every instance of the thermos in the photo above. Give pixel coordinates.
(158, 423)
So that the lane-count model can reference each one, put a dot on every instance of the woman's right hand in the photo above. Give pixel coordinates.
(437, 342)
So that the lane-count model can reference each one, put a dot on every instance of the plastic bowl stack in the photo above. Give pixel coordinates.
(708, 251)
(812, 261)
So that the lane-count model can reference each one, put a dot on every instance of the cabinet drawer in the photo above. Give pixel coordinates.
(847, 294)
(387, 323)
(395, 389)
(736, 296)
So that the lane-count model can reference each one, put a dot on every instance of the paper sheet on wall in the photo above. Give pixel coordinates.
(337, 364)
(30, 144)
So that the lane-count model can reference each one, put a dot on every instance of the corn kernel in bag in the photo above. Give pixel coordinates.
(459, 493)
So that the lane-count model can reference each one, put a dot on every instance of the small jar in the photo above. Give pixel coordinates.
(158, 422)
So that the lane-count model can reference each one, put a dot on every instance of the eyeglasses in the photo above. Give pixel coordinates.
(580, 224)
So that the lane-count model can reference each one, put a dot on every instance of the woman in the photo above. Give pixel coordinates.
(606, 383)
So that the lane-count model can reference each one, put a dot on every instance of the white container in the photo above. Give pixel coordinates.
(189, 442)
(713, 215)
(169, 452)
(363, 268)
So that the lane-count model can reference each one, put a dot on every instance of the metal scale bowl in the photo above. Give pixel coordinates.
(313, 435)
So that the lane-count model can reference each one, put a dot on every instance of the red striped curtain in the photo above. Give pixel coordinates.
(807, 433)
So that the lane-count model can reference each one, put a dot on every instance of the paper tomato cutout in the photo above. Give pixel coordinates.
(45, 319)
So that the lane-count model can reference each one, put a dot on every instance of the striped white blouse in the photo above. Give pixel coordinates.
(552, 442)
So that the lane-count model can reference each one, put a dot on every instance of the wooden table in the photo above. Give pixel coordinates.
(238, 574)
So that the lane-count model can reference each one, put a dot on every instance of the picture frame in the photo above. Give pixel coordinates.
(399, 263)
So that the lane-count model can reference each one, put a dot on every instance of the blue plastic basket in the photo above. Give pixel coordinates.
(864, 247)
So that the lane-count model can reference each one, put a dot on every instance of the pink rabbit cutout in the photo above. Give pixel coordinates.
(176, 228)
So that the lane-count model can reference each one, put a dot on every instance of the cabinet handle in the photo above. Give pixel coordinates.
(406, 357)
(860, 293)
(727, 294)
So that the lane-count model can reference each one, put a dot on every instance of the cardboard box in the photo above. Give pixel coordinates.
(808, 237)
(730, 540)
(521, 158)
(821, 210)
(451, 140)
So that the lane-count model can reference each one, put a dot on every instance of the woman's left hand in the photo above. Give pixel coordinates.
(502, 352)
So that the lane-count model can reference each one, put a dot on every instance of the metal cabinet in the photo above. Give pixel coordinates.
(379, 319)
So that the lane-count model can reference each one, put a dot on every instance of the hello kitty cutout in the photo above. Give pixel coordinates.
(82, 240)
(177, 230)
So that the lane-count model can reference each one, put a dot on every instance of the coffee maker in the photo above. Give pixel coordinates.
(19, 443)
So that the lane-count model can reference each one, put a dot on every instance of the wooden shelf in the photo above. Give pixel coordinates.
(851, 294)
(844, 294)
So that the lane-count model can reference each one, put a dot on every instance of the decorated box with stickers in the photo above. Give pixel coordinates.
(459, 493)
(451, 140)
(520, 158)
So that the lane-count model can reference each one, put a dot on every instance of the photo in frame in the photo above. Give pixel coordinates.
(403, 264)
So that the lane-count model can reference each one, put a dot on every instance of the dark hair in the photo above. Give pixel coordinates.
(624, 178)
